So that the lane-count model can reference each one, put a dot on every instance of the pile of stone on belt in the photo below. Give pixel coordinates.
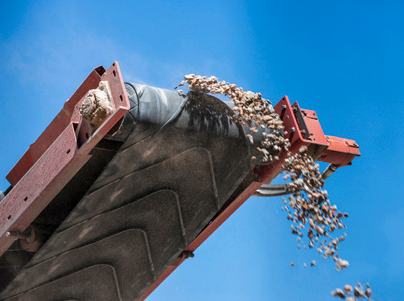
(250, 108)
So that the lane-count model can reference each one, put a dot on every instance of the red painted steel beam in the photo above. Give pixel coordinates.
(302, 126)
(304, 129)
(340, 151)
(54, 129)
(38, 180)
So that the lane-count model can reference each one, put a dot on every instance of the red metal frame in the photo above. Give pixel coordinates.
(64, 147)
(340, 151)
(57, 155)
(304, 129)
(55, 128)
(302, 126)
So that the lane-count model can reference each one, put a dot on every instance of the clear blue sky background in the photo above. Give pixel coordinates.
(343, 59)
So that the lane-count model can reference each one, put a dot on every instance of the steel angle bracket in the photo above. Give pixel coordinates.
(302, 126)
(304, 129)
(57, 155)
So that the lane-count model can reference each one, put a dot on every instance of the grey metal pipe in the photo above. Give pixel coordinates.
(271, 190)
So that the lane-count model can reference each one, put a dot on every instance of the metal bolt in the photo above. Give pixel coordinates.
(283, 112)
(18, 235)
(188, 254)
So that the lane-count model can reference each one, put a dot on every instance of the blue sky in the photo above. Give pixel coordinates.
(343, 59)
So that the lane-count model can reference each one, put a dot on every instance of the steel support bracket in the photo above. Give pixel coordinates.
(57, 155)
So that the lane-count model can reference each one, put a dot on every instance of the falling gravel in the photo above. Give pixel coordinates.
(358, 292)
(309, 209)
(313, 263)
(312, 215)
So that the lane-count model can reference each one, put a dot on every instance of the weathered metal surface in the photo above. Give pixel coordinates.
(56, 166)
(340, 151)
(301, 131)
(69, 114)
(55, 128)
(304, 129)
(31, 195)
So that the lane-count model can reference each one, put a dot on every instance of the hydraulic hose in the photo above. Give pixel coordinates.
(271, 190)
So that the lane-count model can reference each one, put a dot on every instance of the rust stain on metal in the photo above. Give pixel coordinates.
(43, 172)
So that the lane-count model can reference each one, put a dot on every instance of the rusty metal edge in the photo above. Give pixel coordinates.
(54, 129)
(18, 216)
